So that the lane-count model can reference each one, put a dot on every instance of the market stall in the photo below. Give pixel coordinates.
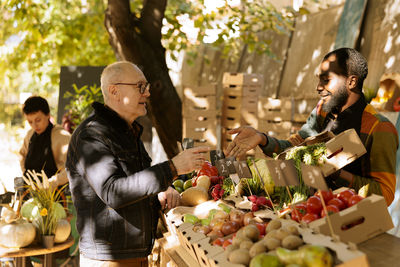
(279, 211)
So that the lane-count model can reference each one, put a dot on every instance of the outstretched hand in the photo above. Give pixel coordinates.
(190, 159)
(246, 139)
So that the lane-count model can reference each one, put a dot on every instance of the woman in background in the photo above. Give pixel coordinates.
(45, 145)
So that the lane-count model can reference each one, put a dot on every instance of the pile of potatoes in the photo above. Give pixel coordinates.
(247, 242)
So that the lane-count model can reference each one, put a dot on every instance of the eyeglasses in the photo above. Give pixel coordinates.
(141, 85)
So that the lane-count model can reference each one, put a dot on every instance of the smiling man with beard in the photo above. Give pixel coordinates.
(342, 107)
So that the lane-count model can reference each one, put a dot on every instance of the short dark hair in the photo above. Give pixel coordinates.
(34, 104)
(352, 63)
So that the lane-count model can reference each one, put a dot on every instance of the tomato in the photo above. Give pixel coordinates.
(331, 209)
(298, 211)
(354, 200)
(218, 242)
(346, 195)
(327, 195)
(338, 203)
(314, 205)
(204, 172)
(261, 228)
(227, 243)
(309, 217)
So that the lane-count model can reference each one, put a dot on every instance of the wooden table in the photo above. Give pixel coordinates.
(20, 253)
(382, 250)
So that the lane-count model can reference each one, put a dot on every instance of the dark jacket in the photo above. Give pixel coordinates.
(113, 187)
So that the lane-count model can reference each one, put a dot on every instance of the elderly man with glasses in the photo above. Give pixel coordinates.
(116, 192)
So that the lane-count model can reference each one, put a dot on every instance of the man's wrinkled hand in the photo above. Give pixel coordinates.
(169, 198)
(190, 159)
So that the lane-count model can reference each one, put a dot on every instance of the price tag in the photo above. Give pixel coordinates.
(19, 184)
(231, 167)
(283, 172)
(313, 177)
(187, 143)
(222, 167)
(242, 169)
(216, 155)
(6, 198)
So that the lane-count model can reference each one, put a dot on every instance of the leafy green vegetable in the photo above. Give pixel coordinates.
(228, 186)
(310, 155)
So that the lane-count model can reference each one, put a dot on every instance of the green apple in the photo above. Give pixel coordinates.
(179, 189)
(178, 183)
(187, 184)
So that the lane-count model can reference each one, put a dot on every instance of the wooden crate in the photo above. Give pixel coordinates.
(302, 108)
(242, 90)
(193, 91)
(275, 126)
(204, 133)
(274, 109)
(232, 78)
(200, 102)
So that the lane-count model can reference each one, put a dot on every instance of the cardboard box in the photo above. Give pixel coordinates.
(193, 91)
(372, 217)
(274, 109)
(342, 150)
(232, 78)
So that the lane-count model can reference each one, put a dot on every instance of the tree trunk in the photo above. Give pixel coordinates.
(139, 41)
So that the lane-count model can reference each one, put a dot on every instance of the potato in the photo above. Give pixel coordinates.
(281, 233)
(246, 244)
(230, 248)
(238, 240)
(272, 234)
(257, 248)
(274, 224)
(240, 256)
(271, 243)
(251, 231)
(240, 233)
(292, 242)
(292, 229)
(194, 196)
(203, 181)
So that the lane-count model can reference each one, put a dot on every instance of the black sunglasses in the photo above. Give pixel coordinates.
(142, 86)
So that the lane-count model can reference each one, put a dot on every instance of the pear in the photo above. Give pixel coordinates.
(309, 255)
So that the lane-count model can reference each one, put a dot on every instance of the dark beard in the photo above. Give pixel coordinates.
(337, 101)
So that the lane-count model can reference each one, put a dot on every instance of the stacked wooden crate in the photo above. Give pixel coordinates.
(302, 107)
(240, 97)
(275, 116)
(200, 115)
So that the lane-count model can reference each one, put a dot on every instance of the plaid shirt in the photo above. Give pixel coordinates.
(374, 172)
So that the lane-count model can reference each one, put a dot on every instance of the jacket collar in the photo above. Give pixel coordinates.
(114, 120)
